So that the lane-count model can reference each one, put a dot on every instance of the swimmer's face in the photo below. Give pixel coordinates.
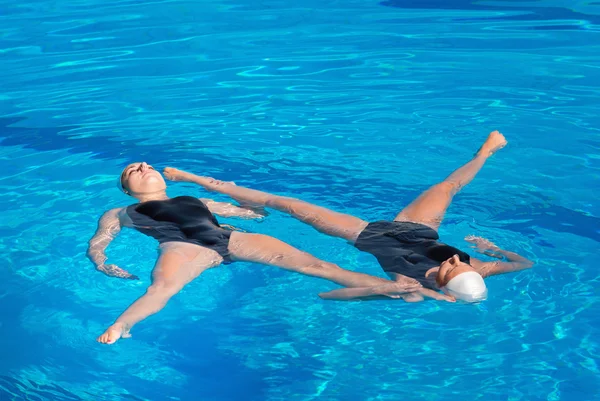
(451, 268)
(139, 178)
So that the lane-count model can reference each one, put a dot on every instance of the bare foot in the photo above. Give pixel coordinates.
(494, 142)
(113, 333)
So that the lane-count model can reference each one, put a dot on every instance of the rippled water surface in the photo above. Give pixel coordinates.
(354, 105)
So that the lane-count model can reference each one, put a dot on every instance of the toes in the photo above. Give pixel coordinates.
(112, 338)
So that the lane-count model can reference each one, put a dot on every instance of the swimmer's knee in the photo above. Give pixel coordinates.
(274, 202)
(447, 187)
(282, 203)
(163, 289)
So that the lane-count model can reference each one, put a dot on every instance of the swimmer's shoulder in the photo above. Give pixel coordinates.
(118, 214)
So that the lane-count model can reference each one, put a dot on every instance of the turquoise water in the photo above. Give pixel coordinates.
(354, 105)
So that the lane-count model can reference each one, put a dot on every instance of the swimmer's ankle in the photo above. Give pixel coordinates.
(123, 326)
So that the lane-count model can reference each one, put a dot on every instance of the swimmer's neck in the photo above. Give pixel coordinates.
(151, 196)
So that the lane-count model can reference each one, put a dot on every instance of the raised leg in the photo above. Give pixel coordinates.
(324, 220)
(430, 207)
(177, 265)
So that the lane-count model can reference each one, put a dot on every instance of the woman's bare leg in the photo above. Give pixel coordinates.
(177, 265)
(267, 250)
(429, 208)
(324, 220)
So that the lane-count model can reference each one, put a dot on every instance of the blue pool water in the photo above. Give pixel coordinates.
(357, 105)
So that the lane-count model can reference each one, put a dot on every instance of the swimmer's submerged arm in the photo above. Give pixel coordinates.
(109, 227)
(514, 262)
(386, 291)
(511, 262)
(355, 294)
(225, 209)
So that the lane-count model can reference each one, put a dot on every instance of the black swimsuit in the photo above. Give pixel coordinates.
(181, 219)
(406, 248)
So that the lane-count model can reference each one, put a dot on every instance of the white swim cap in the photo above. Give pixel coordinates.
(468, 287)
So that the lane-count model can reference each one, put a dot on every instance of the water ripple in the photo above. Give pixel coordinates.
(356, 106)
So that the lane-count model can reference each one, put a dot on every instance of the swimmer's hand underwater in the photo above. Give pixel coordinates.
(509, 261)
(484, 246)
(116, 271)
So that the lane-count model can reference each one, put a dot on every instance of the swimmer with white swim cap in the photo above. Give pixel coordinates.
(407, 248)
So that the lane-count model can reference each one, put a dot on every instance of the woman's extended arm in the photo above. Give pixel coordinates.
(385, 291)
(511, 262)
(109, 227)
